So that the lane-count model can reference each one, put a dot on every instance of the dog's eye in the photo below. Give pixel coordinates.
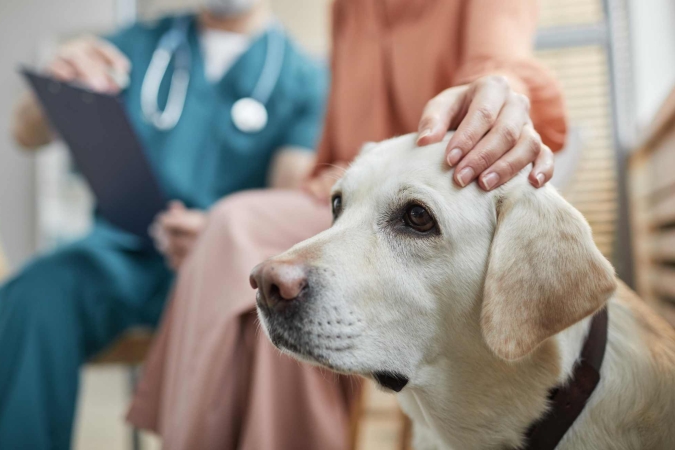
(337, 205)
(418, 218)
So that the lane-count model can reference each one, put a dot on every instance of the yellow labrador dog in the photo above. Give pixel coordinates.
(474, 306)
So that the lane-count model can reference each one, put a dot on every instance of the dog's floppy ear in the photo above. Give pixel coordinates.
(544, 271)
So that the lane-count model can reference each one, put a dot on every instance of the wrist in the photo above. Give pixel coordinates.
(30, 128)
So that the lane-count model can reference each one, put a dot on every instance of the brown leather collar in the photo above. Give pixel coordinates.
(567, 402)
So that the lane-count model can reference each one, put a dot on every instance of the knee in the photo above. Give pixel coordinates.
(22, 298)
(45, 288)
(227, 210)
(238, 215)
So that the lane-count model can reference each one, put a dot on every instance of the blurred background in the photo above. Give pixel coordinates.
(614, 58)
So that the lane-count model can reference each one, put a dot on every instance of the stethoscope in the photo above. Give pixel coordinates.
(249, 114)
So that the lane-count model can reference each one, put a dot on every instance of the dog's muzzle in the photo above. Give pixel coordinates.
(297, 321)
(284, 302)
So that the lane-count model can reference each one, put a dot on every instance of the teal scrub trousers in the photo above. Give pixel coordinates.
(54, 315)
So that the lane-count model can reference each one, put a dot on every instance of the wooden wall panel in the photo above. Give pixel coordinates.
(652, 194)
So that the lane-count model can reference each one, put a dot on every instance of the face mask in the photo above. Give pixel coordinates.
(229, 7)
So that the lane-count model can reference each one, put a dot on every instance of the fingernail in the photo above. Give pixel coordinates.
(490, 180)
(540, 180)
(100, 84)
(465, 176)
(423, 134)
(454, 156)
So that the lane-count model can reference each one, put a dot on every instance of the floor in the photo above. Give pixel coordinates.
(103, 401)
(105, 393)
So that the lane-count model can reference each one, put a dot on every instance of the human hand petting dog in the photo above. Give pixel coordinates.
(495, 137)
(176, 230)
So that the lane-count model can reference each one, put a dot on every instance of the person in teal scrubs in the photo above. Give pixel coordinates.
(64, 307)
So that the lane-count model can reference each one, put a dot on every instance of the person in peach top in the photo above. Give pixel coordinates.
(211, 380)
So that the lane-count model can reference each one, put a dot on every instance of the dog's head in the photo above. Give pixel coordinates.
(414, 266)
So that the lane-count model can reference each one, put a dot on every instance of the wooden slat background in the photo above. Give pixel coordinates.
(569, 12)
(584, 75)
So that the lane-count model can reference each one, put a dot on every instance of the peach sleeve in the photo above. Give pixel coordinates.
(498, 40)
(326, 151)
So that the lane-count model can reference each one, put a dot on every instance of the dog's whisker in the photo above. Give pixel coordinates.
(334, 166)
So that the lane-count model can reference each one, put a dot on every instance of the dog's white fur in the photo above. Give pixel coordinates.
(485, 317)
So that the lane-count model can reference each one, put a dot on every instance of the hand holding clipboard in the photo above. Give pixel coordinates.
(105, 150)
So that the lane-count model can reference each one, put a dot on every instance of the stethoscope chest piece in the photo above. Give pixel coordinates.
(249, 115)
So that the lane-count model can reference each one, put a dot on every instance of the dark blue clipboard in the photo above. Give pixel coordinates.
(106, 151)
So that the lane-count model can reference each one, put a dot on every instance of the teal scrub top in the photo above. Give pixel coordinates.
(205, 157)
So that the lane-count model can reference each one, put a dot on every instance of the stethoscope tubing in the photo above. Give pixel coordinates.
(174, 44)
(274, 61)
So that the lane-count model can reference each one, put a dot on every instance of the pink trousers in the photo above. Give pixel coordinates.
(212, 379)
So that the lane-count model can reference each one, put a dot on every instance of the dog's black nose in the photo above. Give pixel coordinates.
(279, 282)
